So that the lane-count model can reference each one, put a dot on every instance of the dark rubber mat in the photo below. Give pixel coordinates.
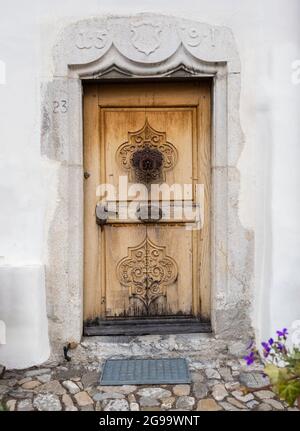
(144, 372)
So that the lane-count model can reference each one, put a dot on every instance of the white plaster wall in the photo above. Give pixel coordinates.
(268, 39)
(23, 311)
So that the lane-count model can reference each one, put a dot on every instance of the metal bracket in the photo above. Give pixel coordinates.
(101, 214)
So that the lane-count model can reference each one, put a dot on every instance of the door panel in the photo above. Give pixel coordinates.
(147, 274)
(174, 124)
(158, 134)
(120, 243)
(178, 293)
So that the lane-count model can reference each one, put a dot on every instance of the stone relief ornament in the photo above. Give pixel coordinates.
(142, 39)
(146, 36)
(147, 155)
(88, 39)
(147, 271)
(194, 37)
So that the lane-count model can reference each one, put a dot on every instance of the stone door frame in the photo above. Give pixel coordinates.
(140, 47)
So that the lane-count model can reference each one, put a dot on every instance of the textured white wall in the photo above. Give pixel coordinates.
(268, 39)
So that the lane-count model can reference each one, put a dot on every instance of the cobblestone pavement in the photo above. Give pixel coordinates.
(216, 385)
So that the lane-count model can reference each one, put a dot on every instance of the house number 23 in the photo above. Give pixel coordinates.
(60, 106)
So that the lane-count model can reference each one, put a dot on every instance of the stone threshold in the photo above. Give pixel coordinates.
(147, 327)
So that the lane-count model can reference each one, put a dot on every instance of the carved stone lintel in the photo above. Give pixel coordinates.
(143, 39)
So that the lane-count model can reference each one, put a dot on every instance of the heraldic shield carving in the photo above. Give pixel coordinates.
(147, 271)
(146, 36)
(147, 155)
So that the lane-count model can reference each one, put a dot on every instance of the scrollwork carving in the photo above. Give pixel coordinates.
(147, 155)
(147, 271)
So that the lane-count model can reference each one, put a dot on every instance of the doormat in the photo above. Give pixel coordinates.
(144, 372)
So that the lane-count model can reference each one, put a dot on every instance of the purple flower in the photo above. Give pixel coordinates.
(265, 346)
(271, 341)
(282, 333)
(281, 347)
(266, 350)
(250, 358)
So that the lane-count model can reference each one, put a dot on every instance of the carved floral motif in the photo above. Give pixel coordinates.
(147, 271)
(147, 155)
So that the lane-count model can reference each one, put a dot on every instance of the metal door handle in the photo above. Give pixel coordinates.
(149, 213)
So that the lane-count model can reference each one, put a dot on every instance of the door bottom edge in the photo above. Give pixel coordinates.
(147, 327)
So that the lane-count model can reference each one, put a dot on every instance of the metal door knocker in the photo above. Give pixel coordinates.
(147, 164)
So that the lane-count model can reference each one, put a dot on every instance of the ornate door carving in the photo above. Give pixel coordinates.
(147, 155)
(147, 271)
(155, 263)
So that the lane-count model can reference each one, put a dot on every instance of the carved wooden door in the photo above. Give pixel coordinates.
(139, 264)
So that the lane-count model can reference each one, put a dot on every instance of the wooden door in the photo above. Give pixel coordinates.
(140, 266)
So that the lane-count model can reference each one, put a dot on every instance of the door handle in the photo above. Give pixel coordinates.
(149, 213)
(144, 213)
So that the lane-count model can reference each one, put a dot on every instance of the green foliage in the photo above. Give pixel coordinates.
(289, 391)
(3, 407)
(282, 366)
(293, 361)
(276, 374)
